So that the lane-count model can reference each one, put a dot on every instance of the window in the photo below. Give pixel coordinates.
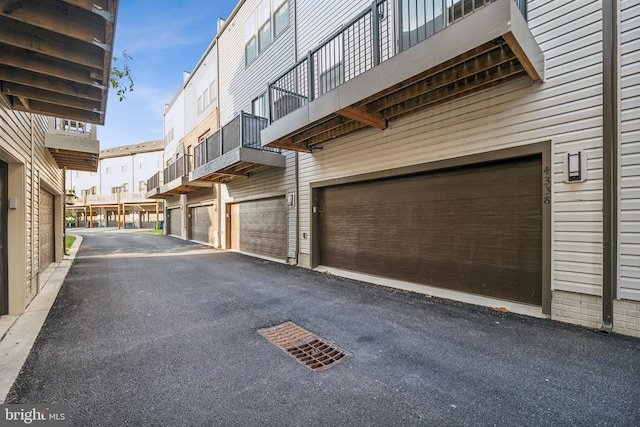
(125, 187)
(280, 16)
(116, 190)
(124, 168)
(168, 137)
(142, 166)
(142, 186)
(263, 25)
(207, 91)
(250, 48)
(108, 170)
(259, 106)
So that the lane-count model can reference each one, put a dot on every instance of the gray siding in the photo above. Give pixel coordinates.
(630, 150)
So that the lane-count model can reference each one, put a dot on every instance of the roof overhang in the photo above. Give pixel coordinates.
(55, 56)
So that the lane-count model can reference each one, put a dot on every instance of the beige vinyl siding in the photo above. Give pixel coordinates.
(565, 109)
(240, 84)
(19, 132)
(629, 280)
(317, 20)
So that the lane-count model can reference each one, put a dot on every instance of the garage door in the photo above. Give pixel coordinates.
(174, 222)
(260, 227)
(47, 242)
(203, 224)
(476, 229)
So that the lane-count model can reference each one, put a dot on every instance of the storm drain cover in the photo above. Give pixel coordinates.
(307, 348)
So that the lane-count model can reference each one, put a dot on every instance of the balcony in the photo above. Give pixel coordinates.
(397, 58)
(153, 187)
(173, 180)
(73, 144)
(56, 56)
(235, 151)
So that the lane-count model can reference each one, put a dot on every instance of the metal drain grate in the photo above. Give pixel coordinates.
(308, 349)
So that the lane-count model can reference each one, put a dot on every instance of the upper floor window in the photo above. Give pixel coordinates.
(108, 170)
(124, 168)
(206, 94)
(263, 25)
(142, 186)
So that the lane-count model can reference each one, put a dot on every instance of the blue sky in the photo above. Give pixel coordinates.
(165, 38)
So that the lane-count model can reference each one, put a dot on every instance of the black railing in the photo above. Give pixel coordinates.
(243, 130)
(179, 168)
(382, 31)
(155, 181)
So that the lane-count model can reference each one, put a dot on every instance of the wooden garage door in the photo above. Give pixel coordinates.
(203, 224)
(174, 222)
(47, 241)
(475, 229)
(261, 227)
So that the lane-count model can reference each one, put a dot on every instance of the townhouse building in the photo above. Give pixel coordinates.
(114, 195)
(482, 151)
(54, 79)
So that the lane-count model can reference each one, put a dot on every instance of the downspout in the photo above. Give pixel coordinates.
(297, 158)
(610, 162)
(35, 272)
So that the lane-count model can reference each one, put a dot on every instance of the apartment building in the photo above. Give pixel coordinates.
(115, 194)
(482, 151)
(54, 79)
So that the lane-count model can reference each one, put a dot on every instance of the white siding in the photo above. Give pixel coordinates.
(317, 20)
(565, 109)
(240, 84)
(629, 279)
(201, 78)
(174, 119)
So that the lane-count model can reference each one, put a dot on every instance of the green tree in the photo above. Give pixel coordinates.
(121, 78)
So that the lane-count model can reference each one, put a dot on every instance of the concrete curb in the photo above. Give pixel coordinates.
(19, 332)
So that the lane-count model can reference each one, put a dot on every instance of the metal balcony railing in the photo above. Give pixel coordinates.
(382, 31)
(155, 181)
(242, 131)
(179, 168)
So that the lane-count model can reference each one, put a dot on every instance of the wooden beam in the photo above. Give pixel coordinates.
(88, 4)
(58, 17)
(288, 144)
(318, 127)
(446, 94)
(335, 133)
(522, 57)
(45, 65)
(20, 35)
(50, 97)
(53, 84)
(360, 114)
(48, 109)
(446, 77)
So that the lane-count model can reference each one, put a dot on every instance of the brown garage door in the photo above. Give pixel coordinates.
(47, 241)
(475, 229)
(260, 227)
(203, 224)
(174, 222)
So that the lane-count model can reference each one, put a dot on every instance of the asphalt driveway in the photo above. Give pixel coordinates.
(152, 330)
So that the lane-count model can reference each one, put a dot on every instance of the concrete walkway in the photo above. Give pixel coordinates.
(19, 332)
(151, 330)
